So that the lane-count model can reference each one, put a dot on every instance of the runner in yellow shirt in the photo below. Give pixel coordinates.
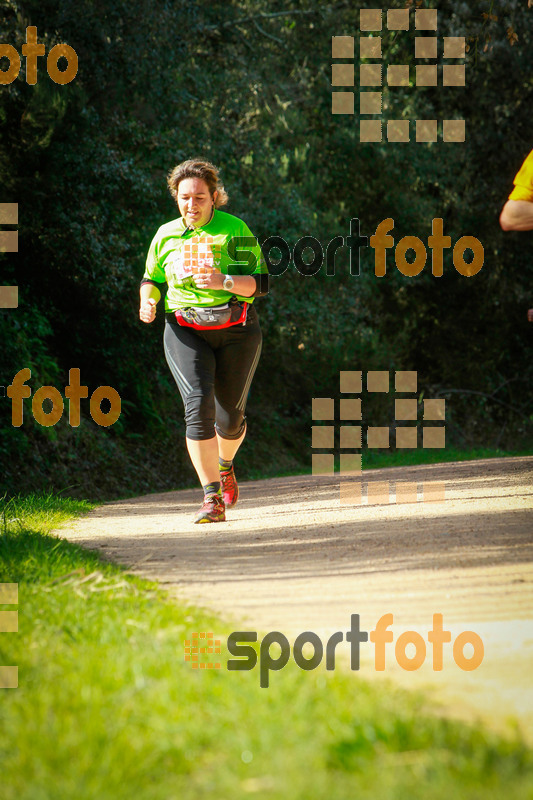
(517, 213)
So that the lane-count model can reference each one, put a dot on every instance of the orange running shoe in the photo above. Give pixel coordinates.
(230, 489)
(212, 510)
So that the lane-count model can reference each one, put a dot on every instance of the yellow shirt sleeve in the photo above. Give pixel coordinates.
(523, 182)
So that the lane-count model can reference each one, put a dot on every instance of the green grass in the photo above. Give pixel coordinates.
(107, 708)
(380, 459)
(374, 459)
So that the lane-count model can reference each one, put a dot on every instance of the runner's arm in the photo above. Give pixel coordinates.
(150, 296)
(517, 215)
(243, 285)
(149, 291)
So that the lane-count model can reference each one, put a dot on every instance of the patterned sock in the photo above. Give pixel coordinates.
(212, 488)
(224, 465)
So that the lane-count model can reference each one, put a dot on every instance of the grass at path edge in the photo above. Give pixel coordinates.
(107, 708)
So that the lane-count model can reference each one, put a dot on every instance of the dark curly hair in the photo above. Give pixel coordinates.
(197, 168)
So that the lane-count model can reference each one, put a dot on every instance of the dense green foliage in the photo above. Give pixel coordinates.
(250, 87)
(107, 707)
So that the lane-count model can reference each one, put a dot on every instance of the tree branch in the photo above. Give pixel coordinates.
(289, 12)
(483, 394)
(268, 35)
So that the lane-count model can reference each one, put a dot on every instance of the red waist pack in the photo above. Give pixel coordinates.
(212, 318)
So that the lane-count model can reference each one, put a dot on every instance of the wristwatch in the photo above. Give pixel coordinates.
(229, 283)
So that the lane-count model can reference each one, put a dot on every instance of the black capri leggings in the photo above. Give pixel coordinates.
(213, 371)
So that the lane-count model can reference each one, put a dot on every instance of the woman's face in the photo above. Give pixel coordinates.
(195, 202)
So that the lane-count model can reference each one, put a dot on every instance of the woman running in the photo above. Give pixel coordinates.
(212, 268)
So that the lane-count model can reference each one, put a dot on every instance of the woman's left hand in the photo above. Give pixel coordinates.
(208, 278)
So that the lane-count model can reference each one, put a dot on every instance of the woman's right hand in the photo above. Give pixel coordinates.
(147, 310)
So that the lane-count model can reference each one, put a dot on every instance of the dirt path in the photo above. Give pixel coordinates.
(290, 558)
